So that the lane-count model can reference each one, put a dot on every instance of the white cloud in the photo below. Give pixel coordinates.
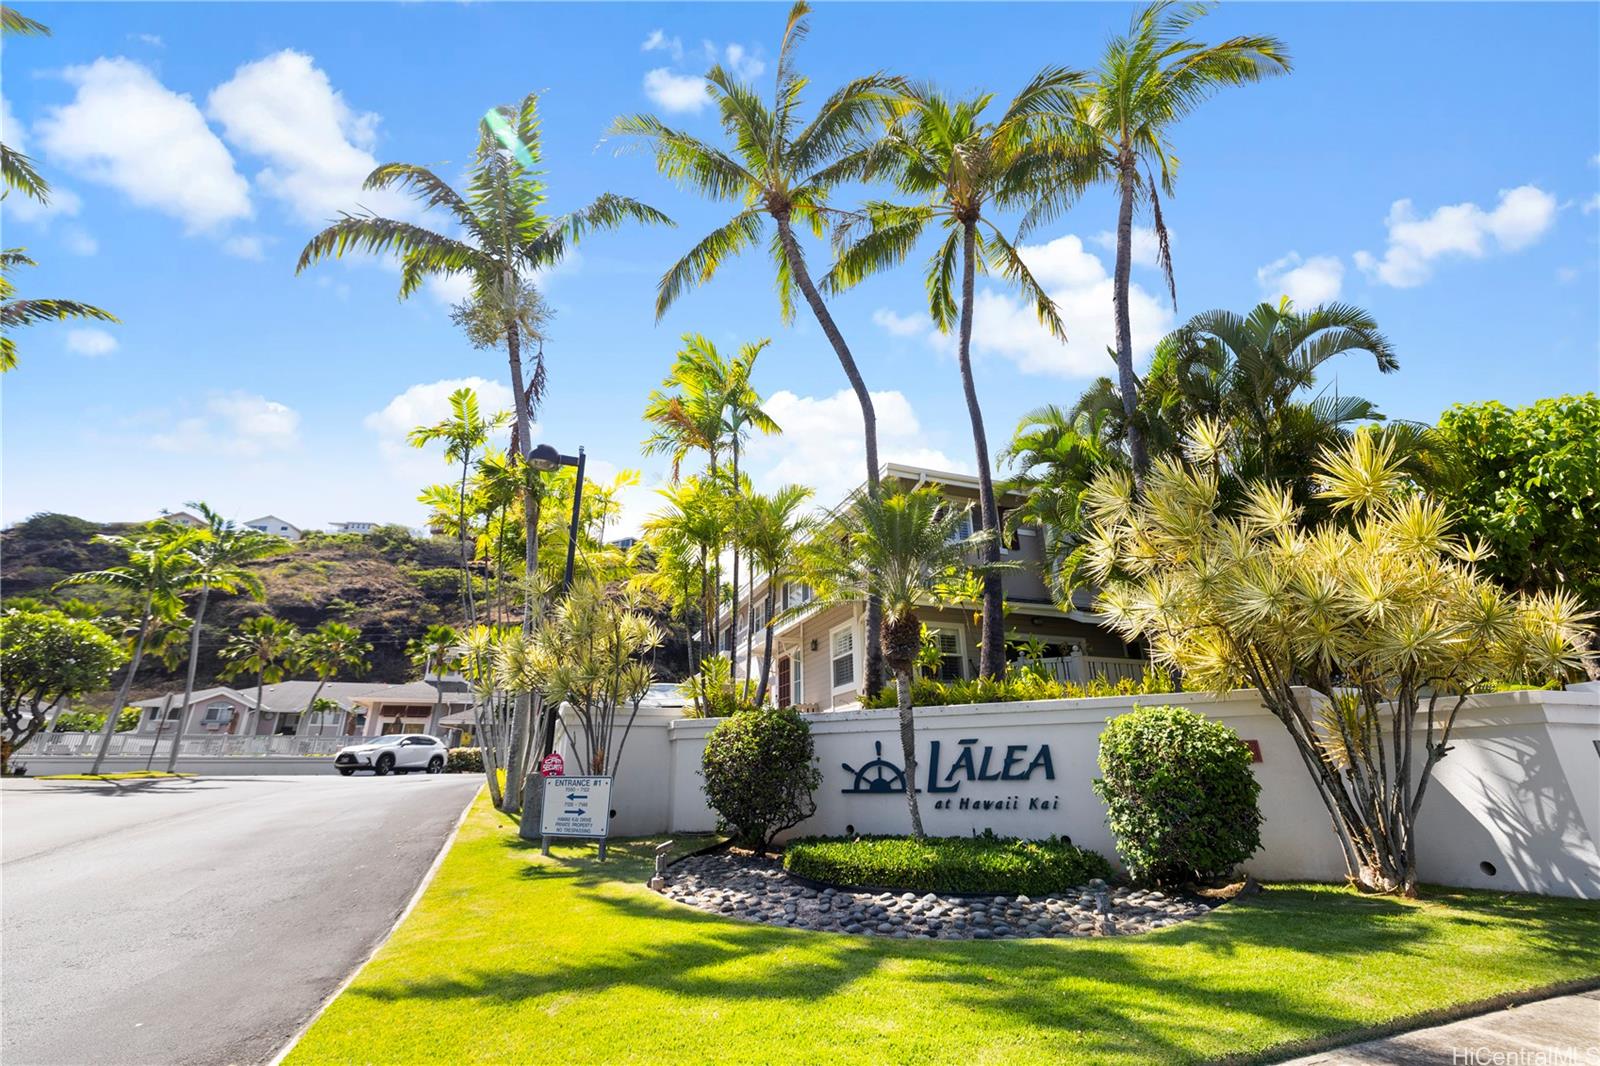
(234, 423)
(63, 203)
(127, 130)
(79, 241)
(449, 289)
(658, 41)
(1591, 205)
(91, 342)
(676, 92)
(318, 150)
(898, 325)
(1307, 282)
(1146, 249)
(424, 405)
(245, 246)
(1005, 325)
(151, 39)
(12, 132)
(822, 444)
(1520, 218)
(744, 65)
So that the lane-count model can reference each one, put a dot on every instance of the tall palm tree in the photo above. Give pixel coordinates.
(218, 561)
(437, 651)
(904, 548)
(781, 168)
(464, 433)
(262, 645)
(505, 239)
(773, 528)
(1147, 81)
(157, 572)
(961, 166)
(327, 651)
(689, 533)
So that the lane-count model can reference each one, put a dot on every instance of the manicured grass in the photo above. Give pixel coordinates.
(125, 775)
(510, 958)
(981, 865)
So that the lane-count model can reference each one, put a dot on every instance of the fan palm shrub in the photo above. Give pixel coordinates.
(264, 646)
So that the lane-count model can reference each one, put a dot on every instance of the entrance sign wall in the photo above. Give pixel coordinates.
(1514, 806)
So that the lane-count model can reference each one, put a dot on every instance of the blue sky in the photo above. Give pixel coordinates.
(1434, 163)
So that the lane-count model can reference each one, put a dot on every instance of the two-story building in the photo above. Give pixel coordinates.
(818, 653)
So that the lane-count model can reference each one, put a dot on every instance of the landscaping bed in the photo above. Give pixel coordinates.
(982, 865)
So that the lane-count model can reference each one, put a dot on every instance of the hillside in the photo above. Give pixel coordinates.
(390, 584)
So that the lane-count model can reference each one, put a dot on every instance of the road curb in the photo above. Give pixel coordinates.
(405, 912)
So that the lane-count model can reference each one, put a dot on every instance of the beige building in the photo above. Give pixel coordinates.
(359, 709)
(818, 659)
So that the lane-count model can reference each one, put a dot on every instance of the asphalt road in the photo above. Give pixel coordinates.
(199, 921)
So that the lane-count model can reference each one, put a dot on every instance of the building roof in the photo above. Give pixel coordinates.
(292, 696)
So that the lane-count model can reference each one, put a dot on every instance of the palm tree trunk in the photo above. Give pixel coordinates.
(992, 655)
(461, 533)
(305, 716)
(1127, 384)
(766, 653)
(797, 268)
(188, 681)
(530, 510)
(127, 685)
(908, 747)
(733, 608)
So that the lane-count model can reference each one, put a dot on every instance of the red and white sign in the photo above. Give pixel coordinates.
(552, 765)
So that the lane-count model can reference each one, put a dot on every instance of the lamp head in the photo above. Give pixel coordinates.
(544, 457)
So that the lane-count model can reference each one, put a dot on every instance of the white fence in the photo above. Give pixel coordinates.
(133, 744)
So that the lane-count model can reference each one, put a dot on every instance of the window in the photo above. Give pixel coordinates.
(727, 640)
(964, 530)
(842, 650)
(217, 714)
(952, 662)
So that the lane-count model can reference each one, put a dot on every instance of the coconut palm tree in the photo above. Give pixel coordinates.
(902, 547)
(436, 652)
(327, 651)
(773, 529)
(686, 537)
(963, 168)
(18, 169)
(16, 312)
(505, 239)
(464, 433)
(157, 572)
(262, 645)
(778, 168)
(218, 562)
(1147, 81)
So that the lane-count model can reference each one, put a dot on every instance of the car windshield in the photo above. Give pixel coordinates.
(392, 738)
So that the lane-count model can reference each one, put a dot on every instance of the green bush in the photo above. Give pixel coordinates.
(94, 721)
(759, 773)
(1018, 686)
(978, 864)
(1179, 793)
(437, 581)
(464, 761)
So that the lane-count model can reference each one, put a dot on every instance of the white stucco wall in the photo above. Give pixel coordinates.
(1520, 789)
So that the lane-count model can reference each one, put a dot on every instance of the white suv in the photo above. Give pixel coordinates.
(397, 752)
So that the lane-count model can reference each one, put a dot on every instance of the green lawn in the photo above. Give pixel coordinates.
(125, 775)
(510, 958)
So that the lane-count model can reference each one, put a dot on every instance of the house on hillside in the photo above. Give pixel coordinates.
(353, 527)
(360, 709)
(278, 527)
(818, 653)
(180, 518)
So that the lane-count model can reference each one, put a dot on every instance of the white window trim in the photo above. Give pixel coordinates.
(960, 631)
(854, 683)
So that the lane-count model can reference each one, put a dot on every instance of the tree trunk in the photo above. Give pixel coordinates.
(122, 692)
(992, 654)
(188, 681)
(908, 747)
(733, 609)
(1127, 384)
(530, 510)
(869, 420)
(461, 534)
(766, 652)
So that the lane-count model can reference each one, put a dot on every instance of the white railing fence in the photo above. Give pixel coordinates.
(1080, 669)
(134, 744)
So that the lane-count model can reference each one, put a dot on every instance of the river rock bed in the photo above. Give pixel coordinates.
(758, 890)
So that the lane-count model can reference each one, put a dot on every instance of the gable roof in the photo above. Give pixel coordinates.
(291, 697)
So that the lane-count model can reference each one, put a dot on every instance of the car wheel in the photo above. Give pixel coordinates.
(345, 773)
(384, 765)
(436, 765)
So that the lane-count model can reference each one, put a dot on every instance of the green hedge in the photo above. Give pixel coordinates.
(464, 761)
(1021, 684)
(981, 864)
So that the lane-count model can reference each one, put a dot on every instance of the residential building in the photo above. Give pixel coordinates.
(359, 708)
(818, 659)
(353, 527)
(181, 518)
(278, 527)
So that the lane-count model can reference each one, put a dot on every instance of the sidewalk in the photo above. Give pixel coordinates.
(1564, 1031)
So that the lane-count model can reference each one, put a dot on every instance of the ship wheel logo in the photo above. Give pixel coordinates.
(879, 776)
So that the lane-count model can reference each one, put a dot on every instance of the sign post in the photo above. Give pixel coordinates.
(577, 808)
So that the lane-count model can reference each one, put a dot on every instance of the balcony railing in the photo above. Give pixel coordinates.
(1081, 669)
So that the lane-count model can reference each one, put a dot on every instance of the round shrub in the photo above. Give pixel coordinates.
(979, 864)
(759, 774)
(1179, 793)
(464, 761)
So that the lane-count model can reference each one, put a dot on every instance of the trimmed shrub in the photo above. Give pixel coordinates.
(1179, 793)
(1021, 684)
(759, 773)
(978, 864)
(464, 761)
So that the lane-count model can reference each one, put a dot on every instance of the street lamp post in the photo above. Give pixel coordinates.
(546, 457)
